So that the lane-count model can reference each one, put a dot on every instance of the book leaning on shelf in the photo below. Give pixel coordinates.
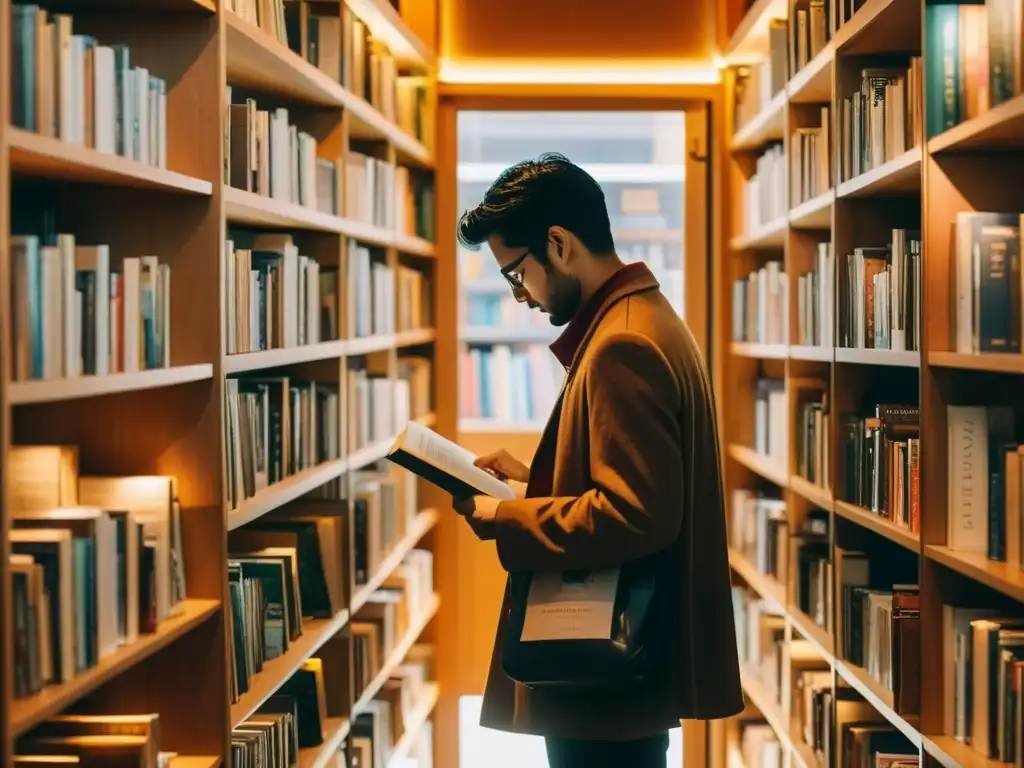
(447, 465)
(72, 88)
(96, 562)
(77, 311)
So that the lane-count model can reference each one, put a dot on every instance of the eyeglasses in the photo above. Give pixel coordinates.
(515, 280)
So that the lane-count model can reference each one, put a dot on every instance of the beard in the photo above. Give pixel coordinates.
(564, 297)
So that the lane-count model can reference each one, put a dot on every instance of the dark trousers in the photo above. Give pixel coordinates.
(641, 753)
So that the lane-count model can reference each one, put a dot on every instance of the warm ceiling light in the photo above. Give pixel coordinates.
(579, 73)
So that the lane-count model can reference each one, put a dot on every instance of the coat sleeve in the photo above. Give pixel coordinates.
(634, 506)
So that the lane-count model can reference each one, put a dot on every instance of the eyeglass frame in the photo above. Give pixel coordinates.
(519, 291)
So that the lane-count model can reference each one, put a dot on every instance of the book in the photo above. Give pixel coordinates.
(447, 465)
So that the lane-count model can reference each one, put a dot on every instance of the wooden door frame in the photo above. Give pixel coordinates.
(701, 104)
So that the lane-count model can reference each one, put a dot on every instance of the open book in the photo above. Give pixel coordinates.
(447, 465)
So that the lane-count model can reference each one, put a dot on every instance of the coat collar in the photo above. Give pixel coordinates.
(630, 279)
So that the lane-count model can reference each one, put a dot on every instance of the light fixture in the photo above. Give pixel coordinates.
(580, 72)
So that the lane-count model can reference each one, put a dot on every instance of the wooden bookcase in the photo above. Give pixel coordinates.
(170, 421)
(972, 167)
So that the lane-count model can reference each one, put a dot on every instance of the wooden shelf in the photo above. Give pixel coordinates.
(901, 175)
(879, 26)
(751, 36)
(950, 753)
(990, 362)
(257, 61)
(243, 207)
(820, 497)
(811, 353)
(414, 724)
(366, 345)
(1001, 128)
(878, 357)
(880, 525)
(385, 24)
(337, 729)
(766, 704)
(768, 125)
(496, 427)
(274, 358)
(35, 155)
(814, 634)
(423, 523)
(765, 586)
(52, 390)
(527, 334)
(1007, 579)
(761, 351)
(397, 656)
(415, 338)
(289, 489)
(26, 713)
(879, 698)
(758, 464)
(194, 761)
(813, 83)
(277, 671)
(415, 246)
(815, 213)
(771, 236)
(369, 454)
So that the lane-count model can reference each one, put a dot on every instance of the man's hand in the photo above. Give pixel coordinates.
(504, 466)
(479, 512)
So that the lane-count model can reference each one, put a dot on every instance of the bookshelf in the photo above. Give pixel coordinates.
(814, 534)
(287, 187)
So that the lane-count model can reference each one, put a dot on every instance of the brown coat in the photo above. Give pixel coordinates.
(636, 471)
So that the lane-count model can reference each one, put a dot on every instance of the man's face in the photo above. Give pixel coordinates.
(546, 283)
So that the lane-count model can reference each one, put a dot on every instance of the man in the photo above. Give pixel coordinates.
(627, 470)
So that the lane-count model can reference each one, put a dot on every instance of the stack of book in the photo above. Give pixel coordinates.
(385, 507)
(815, 303)
(984, 518)
(370, 190)
(814, 571)
(71, 87)
(771, 422)
(509, 384)
(764, 193)
(811, 164)
(760, 306)
(95, 561)
(880, 295)
(814, 435)
(75, 313)
(759, 531)
(378, 407)
(881, 455)
(275, 427)
(417, 372)
(371, 292)
(809, 33)
(267, 155)
(763, 80)
(414, 299)
(78, 739)
(276, 297)
(415, 206)
(986, 265)
(882, 120)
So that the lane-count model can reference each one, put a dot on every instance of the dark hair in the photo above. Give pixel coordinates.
(534, 195)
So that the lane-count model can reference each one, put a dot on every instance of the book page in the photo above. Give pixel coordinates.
(453, 459)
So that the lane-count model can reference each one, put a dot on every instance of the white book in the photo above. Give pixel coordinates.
(104, 100)
(967, 512)
(447, 465)
(62, 68)
(77, 72)
(142, 115)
